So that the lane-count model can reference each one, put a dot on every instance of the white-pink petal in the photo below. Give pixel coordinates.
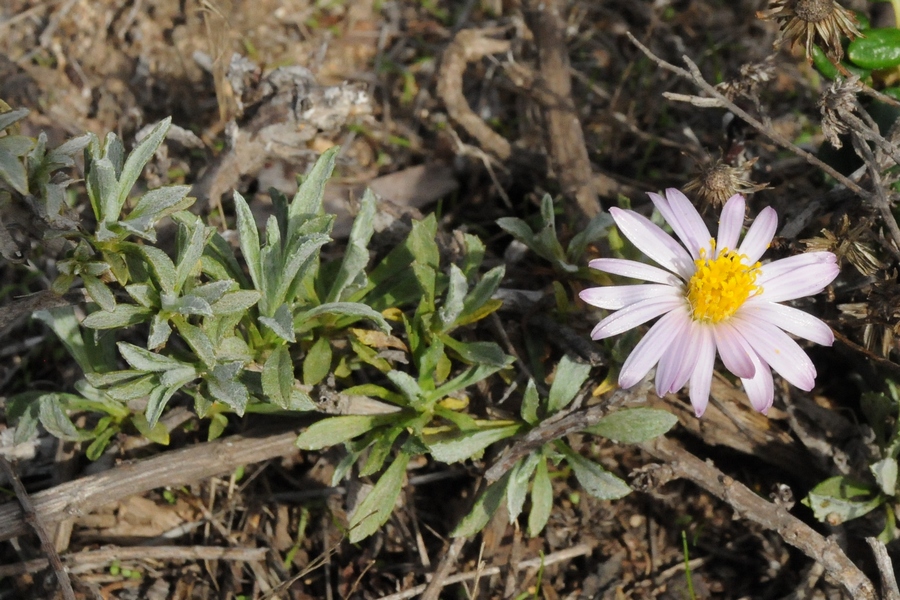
(634, 270)
(760, 234)
(701, 377)
(686, 222)
(792, 320)
(799, 283)
(635, 314)
(650, 239)
(777, 349)
(730, 223)
(614, 297)
(652, 346)
(676, 365)
(760, 388)
(735, 355)
(798, 262)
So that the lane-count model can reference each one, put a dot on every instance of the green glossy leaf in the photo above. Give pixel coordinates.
(376, 507)
(541, 500)
(468, 444)
(123, 315)
(336, 430)
(880, 49)
(634, 425)
(570, 376)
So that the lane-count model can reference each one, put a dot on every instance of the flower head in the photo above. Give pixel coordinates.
(813, 21)
(712, 296)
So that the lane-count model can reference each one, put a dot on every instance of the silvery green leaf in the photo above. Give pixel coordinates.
(351, 275)
(295, 261)
(138, 159)
(57, 422)
(282, 324)
(473, 353)
(483, 509)
(223, 386)
(634, 425)
(474, 254)
(187, 305)
(68, 329)
(317, 363)
(407, 385)
(101, 187)
(143, 294)
(517, 228)
(135, 388)
(177, 378)
(308, 199)
(885, 472)
(114, 151)
(12, 170)
(12, 116)
(468, 444)
(570, 376)
(541, 500)
(344, 309)
(17, 145)
(376, 507)
(122, 315)
(453, 302)
(233, 348)
(595, 231)
(468, 377)
(596, 480)
(213, 291)
(220, 261)
(337, 430)
(530, 402)
(237, 301)
(144, 360)
(99, 293)
(278, 377)
(101, 380)
(301, 402)
(189, 257)
(518, 484)
(482, 292)
(197, 340)
(156, 403)
(62, 154)
(161, 265)
(160, 330)
(153, 206)
(840, 499)
(248, 235)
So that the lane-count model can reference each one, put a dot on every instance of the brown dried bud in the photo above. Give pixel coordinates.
(718, 181)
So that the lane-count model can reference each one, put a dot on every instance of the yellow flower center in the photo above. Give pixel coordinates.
(721, 285)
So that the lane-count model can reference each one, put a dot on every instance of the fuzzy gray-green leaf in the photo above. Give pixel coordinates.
(122, 315)
(634, 425)
(570, 376)
(139, 158)
(541, 500)
(336, 430)
(278, 377)
(377, 506)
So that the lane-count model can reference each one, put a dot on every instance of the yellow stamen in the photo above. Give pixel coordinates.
(720, 285)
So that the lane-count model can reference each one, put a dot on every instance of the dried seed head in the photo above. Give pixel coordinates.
(879, 315)
(846, 244)
(820, 22)
(752, 74)
(718, 181)
(837, 102)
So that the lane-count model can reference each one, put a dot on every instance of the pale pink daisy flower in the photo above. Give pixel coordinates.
(712, 295)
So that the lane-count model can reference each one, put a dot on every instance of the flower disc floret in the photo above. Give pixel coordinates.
(721, 285)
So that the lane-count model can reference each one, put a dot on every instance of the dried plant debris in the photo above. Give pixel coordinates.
(852, 244)
(717, 181)
(837, 104)
(811, 22)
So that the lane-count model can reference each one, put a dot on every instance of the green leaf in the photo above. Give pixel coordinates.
(101, 187)
(197, 340)
(11, 116)
(634, 425)
(99, 293)
(67, 328)
(282, 324)
(541, 500)
(468, 444)
(143, 294)
(480, 295)
(454, 301)
(376, 507)
(153, 206)
(596, 480)
(474, 353)
(483, 509)
(249, 240)
(156, 403)
(570, 376)
(131, 390)
(336, 430)
(408, 385)
(295, 262)
(158, 434)
(217, 425)
(594, 232)
(317, 363)
(351, 276)
(885, 472)
(237, 301)
(278, 377)
(381, 448)
(161, 265)
(530, 402)
(123, 315)
(341, 309)
(101, 442)
(518, 484)
(839, 499)
(56, 421)
(880, 49)
(12, 170)
(144, 360)
(470, 376)
(189, 257)
(308, 199)
(160, 330)
(139, 158)
(225, 388)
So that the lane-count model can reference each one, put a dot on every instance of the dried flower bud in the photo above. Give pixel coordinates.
(879, 315)
(718, 181)
(752, 74)
(846, 244)
(821, 22)
(837, 102)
